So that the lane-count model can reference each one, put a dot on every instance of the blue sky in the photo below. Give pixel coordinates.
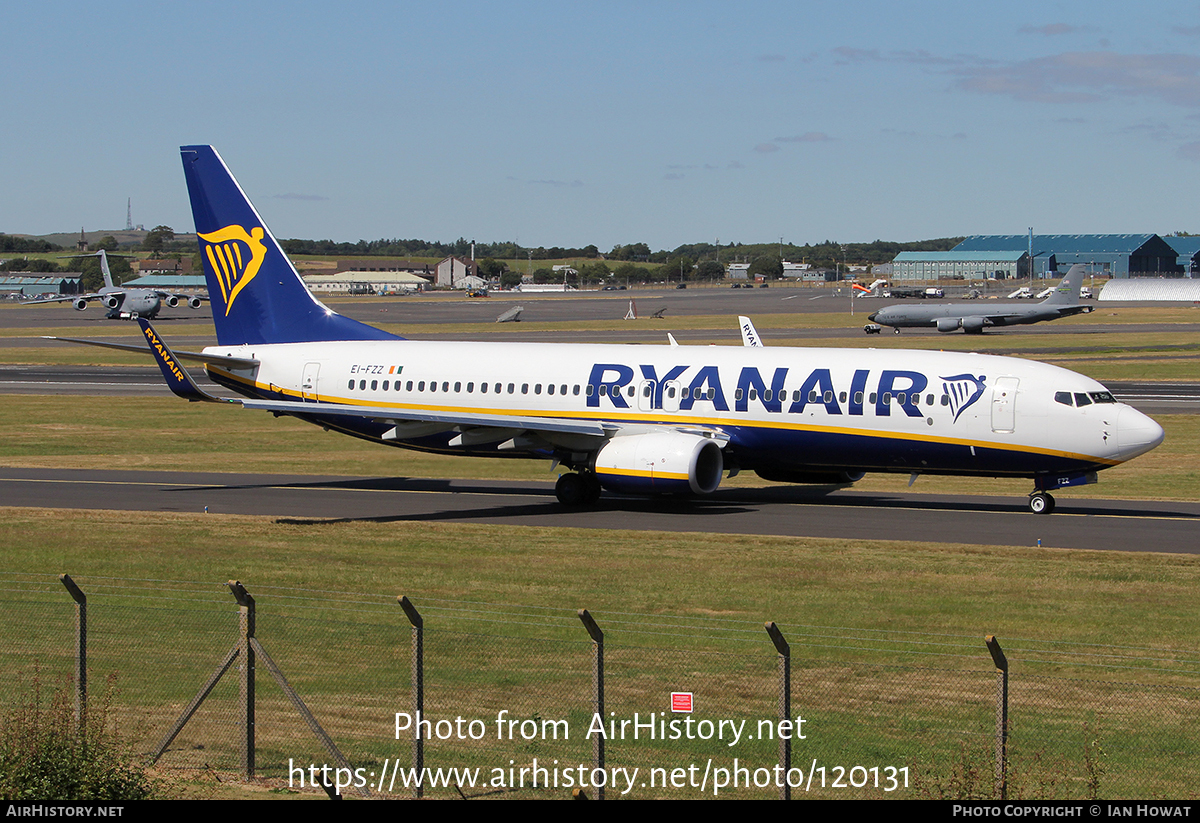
(568, 124)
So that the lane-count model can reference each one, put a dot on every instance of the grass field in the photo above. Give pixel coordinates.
(890, 667)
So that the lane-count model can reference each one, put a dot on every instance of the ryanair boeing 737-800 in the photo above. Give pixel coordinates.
(634, 419)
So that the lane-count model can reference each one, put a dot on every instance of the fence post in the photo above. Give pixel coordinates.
(80, 650)
(1001, 715)
(246, 653)
(597, 636)
(784, 704)
(418, 689)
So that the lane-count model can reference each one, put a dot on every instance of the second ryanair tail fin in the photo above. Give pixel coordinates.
(257, 296)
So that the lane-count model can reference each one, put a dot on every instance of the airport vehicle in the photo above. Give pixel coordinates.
(973, 318)
(125, 303)
(633, 419)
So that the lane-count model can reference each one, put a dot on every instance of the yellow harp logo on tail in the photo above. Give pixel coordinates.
(235, 257)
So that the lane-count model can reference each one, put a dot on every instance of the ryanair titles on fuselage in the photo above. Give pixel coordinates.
(901, 388)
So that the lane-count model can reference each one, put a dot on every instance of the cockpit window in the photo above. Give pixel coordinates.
(1081, 399)
(1102, 397)
(1063, 397)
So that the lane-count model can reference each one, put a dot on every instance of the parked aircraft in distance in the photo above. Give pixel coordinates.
(973, 318)
(630, 419)
(123, 302)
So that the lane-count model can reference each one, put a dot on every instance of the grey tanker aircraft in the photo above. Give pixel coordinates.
(973, 318)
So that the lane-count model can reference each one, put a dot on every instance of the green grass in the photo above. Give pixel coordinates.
(886, 673)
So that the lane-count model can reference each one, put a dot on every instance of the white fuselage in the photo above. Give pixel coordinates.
(780, 408)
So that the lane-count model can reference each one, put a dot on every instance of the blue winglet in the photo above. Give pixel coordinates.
(178, 380)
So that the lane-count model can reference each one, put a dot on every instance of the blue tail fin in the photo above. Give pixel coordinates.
(257, 296)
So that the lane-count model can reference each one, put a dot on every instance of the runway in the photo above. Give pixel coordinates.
(782, 510)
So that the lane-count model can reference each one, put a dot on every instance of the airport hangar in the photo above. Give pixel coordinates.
(1117, 256)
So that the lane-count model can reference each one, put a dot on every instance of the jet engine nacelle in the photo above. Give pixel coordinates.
(110, 302)
(946, 324)
(660, 463)
(195, 302)
(974, 325)
(80, 304)
(172, 302)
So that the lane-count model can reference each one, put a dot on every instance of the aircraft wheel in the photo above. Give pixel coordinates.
(896, 330)
(592, 488)
(571, 490)
(1041, 503)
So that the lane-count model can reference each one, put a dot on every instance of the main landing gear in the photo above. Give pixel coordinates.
(1041, 503)
(577, 489)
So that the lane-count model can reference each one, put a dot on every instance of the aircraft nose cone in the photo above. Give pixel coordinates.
(1136, 433)
(872, 316)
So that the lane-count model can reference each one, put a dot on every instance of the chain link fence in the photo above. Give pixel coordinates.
(449, 699)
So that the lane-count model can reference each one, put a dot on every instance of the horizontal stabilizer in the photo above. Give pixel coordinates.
(200, 357)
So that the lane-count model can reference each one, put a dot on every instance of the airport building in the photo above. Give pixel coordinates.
(14, 286)
(1111, 255)
(169, 282)
(365, 282)
(956, 265)
(453, 269)
(1188, 249)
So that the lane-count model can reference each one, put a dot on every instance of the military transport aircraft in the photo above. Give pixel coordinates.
(630, 419)
(123, 302)
(973, 318)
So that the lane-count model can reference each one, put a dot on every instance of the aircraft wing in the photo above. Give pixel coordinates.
(164, 295)
(496, 421)
(70, 298)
